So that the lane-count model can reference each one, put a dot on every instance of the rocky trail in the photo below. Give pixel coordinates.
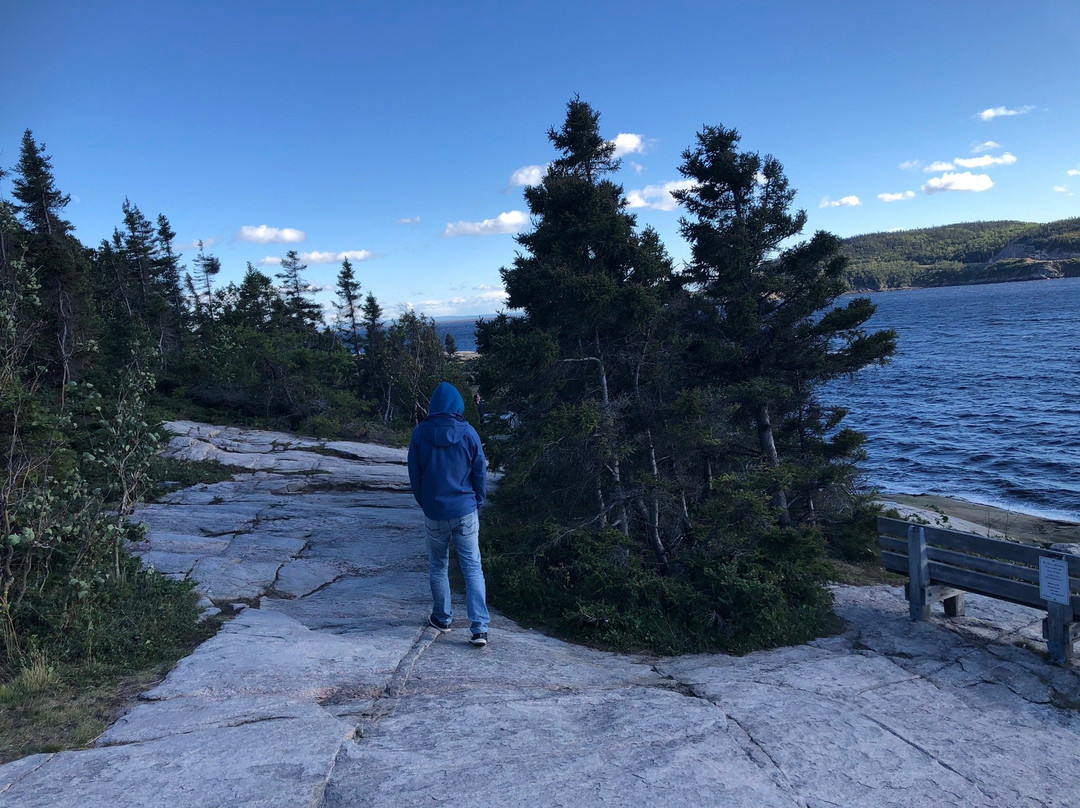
(328, 689)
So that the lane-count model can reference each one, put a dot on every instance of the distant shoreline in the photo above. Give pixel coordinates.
(966, 516)
(974, 282)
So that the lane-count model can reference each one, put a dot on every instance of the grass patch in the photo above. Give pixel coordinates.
(169, 474)
(869, 573)
(52, 708)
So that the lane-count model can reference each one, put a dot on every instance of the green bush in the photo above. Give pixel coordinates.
(599, 588)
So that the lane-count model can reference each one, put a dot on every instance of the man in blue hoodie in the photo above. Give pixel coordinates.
(447, 470)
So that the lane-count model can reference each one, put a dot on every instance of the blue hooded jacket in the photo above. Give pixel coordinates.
(447, 467)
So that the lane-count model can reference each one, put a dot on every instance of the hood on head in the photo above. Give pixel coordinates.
(446, 398)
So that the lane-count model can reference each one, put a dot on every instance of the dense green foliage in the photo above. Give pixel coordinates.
(92, 341)
(976, 252)
(670, 477)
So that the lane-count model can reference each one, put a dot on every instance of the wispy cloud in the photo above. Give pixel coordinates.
(939, 165)
(411, 220)
(194, 245)
(527, 175)
(629, 143)
(263, 234)
(1006, 159)
(964, 181)
(1061, 189)
(638, 167)
(988, 145)
(317, 257)
(896, 197)
(487, 301)
(909, 165)
(658, 197)
(1073, 172)
(513, 221)
(843, 202)
(1002, 112)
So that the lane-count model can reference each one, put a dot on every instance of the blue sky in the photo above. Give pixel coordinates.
(399, 133)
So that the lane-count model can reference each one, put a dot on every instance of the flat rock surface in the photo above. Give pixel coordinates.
(329, 689)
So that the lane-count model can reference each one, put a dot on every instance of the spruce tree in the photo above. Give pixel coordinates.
(590, 289)
(303, 313)
(763, 316)
(201, 286)
(35, 187)
(63, 264)
(348, 308)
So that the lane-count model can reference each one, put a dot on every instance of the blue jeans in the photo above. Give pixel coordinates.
(464, 533)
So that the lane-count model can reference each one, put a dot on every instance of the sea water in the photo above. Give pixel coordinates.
(981, 401)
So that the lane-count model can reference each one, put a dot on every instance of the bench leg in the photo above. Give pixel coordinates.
(1059, 640)
(918, 574)
(954, 606)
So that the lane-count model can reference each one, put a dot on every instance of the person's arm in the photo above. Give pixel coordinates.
(478, 476)
(415, 472)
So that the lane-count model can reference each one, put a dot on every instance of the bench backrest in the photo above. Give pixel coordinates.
(995, 567)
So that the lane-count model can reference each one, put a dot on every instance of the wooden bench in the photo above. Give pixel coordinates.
(943, 564)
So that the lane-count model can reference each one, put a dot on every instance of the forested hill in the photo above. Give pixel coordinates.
(956, 254)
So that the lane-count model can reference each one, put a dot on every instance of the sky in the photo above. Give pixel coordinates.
(401, 135)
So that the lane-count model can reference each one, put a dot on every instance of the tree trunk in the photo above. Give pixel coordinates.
(621, 518)
(768, 448)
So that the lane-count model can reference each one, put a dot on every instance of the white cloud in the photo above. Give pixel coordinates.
(938, 165)
(842, 202)
(1002, 112)
(896, 197)
(412, 220)
(1061, 189)
(909, 165)
(1006, 159)
(1073, 172)
(629, 143)
(194, 245)
(527, 175)
(638, 167)
(989, 145)
(965, 181)
(265, 235)
(513, 221)
(317, 257)
(487, 301)
(658, 197)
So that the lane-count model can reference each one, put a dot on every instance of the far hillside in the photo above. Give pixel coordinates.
(957, 254)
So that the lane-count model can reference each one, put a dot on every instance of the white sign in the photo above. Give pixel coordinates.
(1054, 579)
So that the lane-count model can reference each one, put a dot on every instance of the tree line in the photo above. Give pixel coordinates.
(99, 345)
(952, 254)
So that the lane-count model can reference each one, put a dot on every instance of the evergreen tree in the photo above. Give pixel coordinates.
(35, 188)
(63, 264)
(304, 314)
(348, 308)
(376, 381)
(201, 287)
(255, 304)
(758, 315)
(591, 291)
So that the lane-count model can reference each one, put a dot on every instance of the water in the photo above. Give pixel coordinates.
(462, 329)
(982, 400)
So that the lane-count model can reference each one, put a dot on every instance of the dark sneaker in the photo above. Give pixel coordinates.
(435, 624)
(480, 638)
